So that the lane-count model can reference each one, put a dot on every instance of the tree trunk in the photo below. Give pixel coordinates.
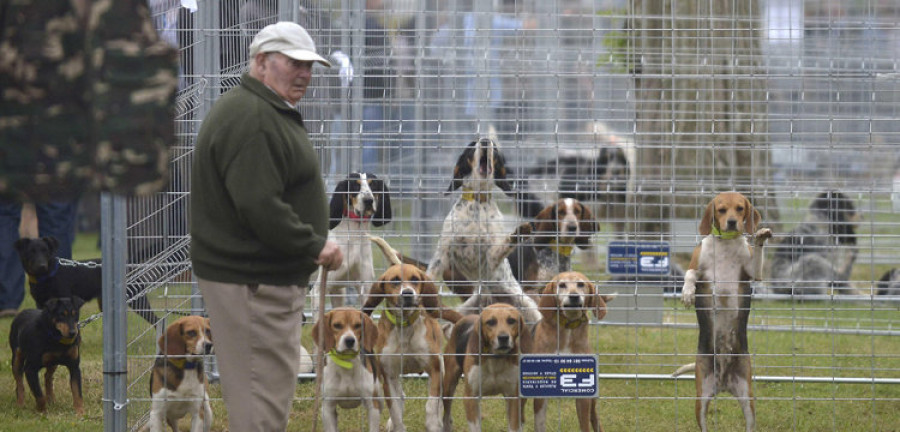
(702, 116)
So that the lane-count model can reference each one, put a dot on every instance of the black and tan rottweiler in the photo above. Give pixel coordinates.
(46, 338)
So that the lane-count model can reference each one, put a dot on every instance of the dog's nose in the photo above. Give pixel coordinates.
(207, 348)
(572, 228)
(732, 224)
(368, 202)
(503, 340)
(574, 299)
(349, 343)
(408, 297)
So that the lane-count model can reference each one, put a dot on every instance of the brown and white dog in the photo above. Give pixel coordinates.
(486, 347)
(352, 371)
(717, 283)
(410, 339)
(178, 385)
(558, 229)
(564, 304)
(359, 201)
(475, 239)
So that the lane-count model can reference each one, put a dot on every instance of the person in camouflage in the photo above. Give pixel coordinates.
(87, 101)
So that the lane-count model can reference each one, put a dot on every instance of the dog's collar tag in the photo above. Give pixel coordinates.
(400, 322)
(341, 359)
(730, 235)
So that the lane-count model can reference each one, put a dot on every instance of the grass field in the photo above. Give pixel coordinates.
(646, 405)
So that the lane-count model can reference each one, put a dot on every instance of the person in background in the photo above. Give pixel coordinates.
(259, 226)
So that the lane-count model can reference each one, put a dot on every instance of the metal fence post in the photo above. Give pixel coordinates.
(115, 327)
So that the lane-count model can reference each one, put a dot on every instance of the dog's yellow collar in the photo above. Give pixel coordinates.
(67, 340)
(729, 235)
(181, 363)
(342, 359)
(470, 195)
(400, 322)
(565, 251)
(571, 324)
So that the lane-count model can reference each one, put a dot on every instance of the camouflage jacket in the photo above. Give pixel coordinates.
(87, 98)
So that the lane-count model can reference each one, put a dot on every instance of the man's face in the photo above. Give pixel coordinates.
(286, 76)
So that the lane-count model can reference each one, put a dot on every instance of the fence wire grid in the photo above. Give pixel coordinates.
(641, 110)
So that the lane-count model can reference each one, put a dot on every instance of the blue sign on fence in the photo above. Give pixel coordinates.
(557, 376)
(638, 258)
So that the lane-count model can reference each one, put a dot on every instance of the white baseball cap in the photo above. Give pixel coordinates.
(288, 38)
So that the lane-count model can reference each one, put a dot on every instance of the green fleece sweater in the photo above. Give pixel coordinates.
(259, 211)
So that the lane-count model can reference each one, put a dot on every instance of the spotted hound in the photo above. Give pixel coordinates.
(475, 240)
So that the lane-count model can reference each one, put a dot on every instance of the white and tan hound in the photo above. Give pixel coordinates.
(475, 239)
(352, 371)
(178, 385)
(358, 202)
(565, 303)
(410, 339)
(558, 229)
(717, 283)
(486, 348)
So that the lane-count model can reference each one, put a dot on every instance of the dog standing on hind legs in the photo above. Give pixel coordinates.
(717, 283)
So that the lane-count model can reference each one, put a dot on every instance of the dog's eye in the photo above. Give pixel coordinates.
(723, 210)
(580, 284)
(740, 208)
(511, 321)
(357, 326)
(192, 333)
(338, 326)
(491, 322)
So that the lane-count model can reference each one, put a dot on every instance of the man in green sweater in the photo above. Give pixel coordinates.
(259, 227)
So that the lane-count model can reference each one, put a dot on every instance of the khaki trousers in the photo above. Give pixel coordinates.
(256, 332)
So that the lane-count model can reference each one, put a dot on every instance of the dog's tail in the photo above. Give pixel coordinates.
(390, 253)
(684, 369)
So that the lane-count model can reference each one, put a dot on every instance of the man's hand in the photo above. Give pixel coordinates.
(331, 256)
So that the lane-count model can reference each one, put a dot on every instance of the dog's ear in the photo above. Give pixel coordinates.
(172, 343)
(78, 302)
(376, 295)
(476, 338)
(370, 333)
(20, 244)
(428, 296)
(338, 200)
(52, 243)
(587, 225)
(51, 304)
(329, 342)
(463, 167)
(707, 220)
(596, 302)
(208, 326)
(526, 342)
(383, 213)
(753, 217)
(545, 222)
(500, 175)
(547, 302)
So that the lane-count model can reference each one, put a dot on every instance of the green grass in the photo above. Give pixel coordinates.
(646, 405)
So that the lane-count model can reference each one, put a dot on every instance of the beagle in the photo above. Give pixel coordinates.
(178, 385)
(717, 283)
(410, 339)
(564, 304)
(558, 229)
(486, 348)
(352, 371)
(358, 201)
(474, 240)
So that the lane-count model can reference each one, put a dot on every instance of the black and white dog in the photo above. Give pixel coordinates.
(817, 256)
(475, 239)
(358, 201)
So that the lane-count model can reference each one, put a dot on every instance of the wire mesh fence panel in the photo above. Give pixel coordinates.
(639, 111)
